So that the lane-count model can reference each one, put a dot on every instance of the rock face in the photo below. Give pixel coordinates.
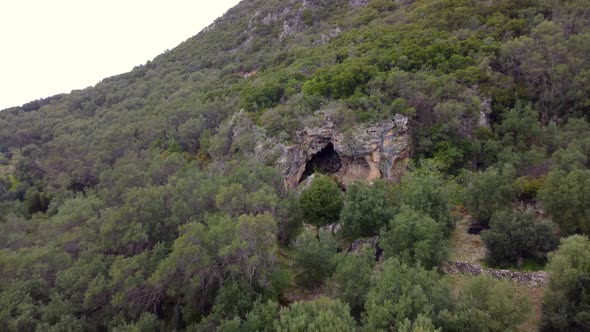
(378, 150)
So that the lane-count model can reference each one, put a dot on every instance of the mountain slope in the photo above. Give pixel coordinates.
(135, 201)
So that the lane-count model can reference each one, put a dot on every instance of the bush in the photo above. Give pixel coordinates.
(414, 237)
(566, 305)
(516, 236)
(367, 208)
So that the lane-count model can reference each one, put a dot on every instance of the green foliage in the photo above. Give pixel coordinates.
(485, 304)
(255, 98)
(314, 259)
(367, 208)
(565, 198)
(352, 278)
(318, 315)
(515, 236)
(262, 317)
(342, 80)
(414, 237)
(401, 292)
(421, 324)
(424, 190)
(520, 128)
(566, 303)
(529, 187)
(289, 219)
(220, 250)
(321, 202)
(490, 191)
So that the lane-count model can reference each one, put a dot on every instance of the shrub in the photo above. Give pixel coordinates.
(515, 236)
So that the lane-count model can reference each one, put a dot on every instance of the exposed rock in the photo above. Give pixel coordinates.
(462, 268)
(290, 27)
(358, 3)
(483, 119)
(369, 152)
(378, 150)
(358, 245)
(533, 279)
(326, 37)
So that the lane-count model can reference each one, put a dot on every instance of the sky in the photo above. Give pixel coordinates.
(55, 46)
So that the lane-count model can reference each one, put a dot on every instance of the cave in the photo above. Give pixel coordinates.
(326, 161)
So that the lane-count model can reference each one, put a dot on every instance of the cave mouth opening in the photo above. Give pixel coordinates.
(325, 161)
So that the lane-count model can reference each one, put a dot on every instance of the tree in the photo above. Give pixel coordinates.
(314, 258)
(486, 304)
(352, 278)
(289, 219)
(515, 235)
(421, 324)
(321, 202)
(566, 305)
(425, 190)
(367, 208)
(402, 292)
(565, 197)
(318, 315)
(414, 237)
(490, 191)
(208, 255)
(262, 317)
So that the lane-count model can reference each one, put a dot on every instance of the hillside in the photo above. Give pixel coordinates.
(169, 197)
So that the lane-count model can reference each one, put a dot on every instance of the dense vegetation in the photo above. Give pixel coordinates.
(142, 204)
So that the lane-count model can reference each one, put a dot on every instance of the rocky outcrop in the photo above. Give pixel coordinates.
(533, 279)
(358, 3)
(365, 153)
(378, 150)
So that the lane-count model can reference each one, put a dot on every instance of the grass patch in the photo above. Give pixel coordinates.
(466, 247)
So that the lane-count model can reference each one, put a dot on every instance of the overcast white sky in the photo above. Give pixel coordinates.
(55, 46)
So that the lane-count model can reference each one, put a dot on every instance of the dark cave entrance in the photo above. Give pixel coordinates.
(325, 161)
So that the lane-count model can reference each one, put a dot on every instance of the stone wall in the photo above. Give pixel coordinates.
(533, 279)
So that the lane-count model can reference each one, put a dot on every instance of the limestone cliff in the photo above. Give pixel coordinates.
(366, 152)
(378, 150)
